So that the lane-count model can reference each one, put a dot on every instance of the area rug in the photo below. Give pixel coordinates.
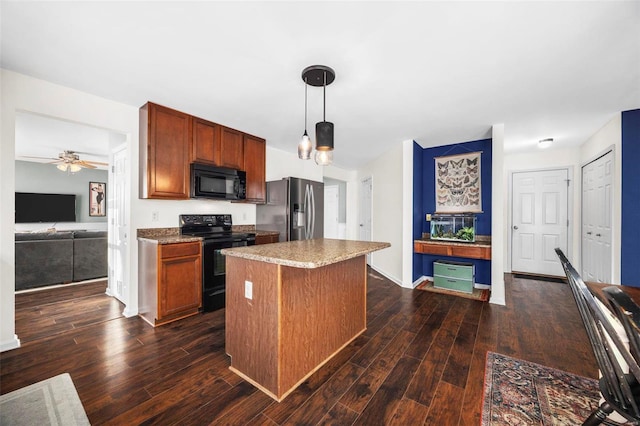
(518, 392)
(478, 294)
(53, 401)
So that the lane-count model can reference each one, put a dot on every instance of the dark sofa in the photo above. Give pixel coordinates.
(47, 258)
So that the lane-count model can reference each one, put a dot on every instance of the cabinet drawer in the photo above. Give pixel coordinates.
(456, 284)
(179, 249)
(453, 270)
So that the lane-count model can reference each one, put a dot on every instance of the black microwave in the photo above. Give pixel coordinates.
(219, 183)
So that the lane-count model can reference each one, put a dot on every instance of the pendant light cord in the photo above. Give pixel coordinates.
(324, 97)
(305, 105)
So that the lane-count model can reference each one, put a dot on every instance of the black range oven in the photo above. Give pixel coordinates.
(215, 231)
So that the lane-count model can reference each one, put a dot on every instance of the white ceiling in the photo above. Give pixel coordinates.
(435, 72)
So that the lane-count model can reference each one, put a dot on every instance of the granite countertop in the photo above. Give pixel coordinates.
(306, 253)
(264, 233)
(165, 236)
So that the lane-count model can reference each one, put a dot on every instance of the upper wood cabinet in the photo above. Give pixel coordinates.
(171, 140)
(254, 165)
(232, 148)
(205, 147)
(165, 138)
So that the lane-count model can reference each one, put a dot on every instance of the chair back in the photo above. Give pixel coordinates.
(615, 339)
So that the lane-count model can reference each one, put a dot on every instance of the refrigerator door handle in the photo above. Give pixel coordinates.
(307, 200)
(313, 212)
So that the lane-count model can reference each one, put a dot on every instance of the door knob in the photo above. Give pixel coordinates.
(515, 227)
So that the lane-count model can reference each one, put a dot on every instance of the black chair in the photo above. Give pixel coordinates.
(619, 386)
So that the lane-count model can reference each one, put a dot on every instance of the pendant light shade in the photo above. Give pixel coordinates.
(305, 146)
(318, 75)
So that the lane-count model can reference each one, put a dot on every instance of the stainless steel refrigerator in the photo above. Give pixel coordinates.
(294, 208)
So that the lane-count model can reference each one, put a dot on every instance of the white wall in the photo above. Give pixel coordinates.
(609, 137)
(281, 164)
(387, 215)
(351, 197)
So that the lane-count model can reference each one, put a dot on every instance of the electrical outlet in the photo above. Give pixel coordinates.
(155, 216)
(248, 290)
(428, 217)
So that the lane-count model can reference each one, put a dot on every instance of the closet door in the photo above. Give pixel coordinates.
(597, 206)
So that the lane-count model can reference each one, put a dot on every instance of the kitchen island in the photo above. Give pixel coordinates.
(292, 306)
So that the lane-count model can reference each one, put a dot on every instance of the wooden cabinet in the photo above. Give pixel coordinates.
(170, 277)
(205, 146)
(171, 140)
(255, 166)
(472, 251)
(165, 138)
(267, 239)
(232, 148)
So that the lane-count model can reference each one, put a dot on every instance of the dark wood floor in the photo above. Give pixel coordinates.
(421, 360)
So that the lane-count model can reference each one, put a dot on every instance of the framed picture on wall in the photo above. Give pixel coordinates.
(458, 188)
(97, 199)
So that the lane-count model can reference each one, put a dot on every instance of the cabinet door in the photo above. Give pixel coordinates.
(231, 148)
(180, 285)
(168, 141)
(254, 165)
(206, 142)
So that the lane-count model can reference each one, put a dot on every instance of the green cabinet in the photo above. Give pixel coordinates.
(458, 276)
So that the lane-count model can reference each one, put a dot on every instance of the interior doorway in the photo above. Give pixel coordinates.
(540, 221)
(366, 191)
(40, 142)
(597, 209)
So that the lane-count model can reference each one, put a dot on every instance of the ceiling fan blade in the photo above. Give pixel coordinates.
(99, 163)
(85, 164)
(39, 158)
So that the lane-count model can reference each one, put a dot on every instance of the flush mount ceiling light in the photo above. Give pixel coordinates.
(545, 143)
(318, 75)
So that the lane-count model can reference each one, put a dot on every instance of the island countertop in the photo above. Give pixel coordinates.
(306, 253)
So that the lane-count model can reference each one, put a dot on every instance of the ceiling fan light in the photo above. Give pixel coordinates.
(74, 168)
(62, 167)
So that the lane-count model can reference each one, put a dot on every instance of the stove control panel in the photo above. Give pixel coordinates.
(205, 219)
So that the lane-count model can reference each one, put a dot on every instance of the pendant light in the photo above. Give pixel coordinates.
(321, 75)
(304, 147)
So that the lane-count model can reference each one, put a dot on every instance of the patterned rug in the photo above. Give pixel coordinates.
(518, 392)
(482, 295)
(53, 401)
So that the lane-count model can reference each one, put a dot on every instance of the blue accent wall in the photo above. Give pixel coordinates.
(423, 263)
(630, 243)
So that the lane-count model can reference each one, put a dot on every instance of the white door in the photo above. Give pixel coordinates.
(540, 221)
(331, 206)
(117, 224)
(597, 180)
(366, 189)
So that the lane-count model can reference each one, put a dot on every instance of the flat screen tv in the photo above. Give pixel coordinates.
(33, 207)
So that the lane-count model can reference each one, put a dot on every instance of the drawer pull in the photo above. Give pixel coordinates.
(452, 269)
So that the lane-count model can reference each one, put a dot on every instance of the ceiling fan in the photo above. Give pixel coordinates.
(70, 161)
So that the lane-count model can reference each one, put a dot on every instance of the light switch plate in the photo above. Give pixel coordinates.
(248, 289)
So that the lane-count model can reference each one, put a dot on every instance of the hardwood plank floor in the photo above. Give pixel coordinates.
(420, 361)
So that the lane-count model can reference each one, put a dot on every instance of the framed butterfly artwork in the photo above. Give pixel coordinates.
(458, 187)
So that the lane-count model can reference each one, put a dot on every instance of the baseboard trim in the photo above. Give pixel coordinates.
(10, 344)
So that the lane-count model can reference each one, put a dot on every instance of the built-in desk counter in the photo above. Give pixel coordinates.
(292, 306)
(478, 250)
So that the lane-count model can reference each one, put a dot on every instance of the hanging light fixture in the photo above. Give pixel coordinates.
(73, 168)
(304, 147)
(320, 75)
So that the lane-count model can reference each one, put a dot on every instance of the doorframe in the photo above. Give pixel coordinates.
(370, 207)
(615, 267)
(570, 210)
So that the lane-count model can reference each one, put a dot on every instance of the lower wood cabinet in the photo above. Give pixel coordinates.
(170, 280)
(267, 239)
